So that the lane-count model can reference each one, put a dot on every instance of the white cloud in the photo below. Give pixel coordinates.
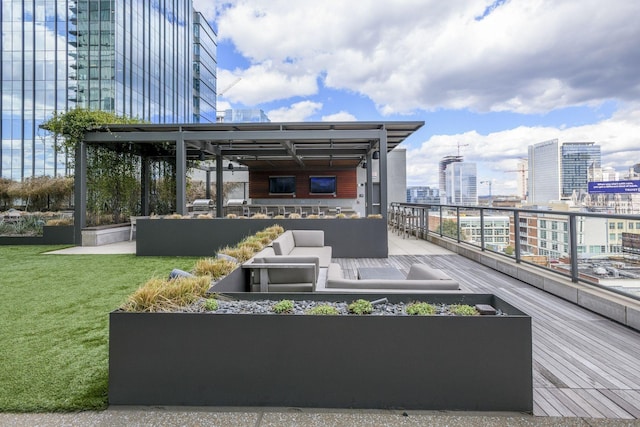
(495, 153)
(341, 116)
(525, 56)
(263, 83)
(297, 112)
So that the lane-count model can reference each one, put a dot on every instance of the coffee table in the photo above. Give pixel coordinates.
(380, 273)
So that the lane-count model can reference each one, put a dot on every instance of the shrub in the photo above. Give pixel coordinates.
(284, 306)
(174, 216)
(232, 216)
(341, 216)
(204, 216)
(313, 216)
(278, 217)
(463, 310)
(211, 304)
(274, 231)
(214, 267)
(421, 309)
(361, 306)
(260, 216)
(295, 216)
(265, 240)
(323, 310)
(59, 221)
(164, 295)
(355, 216)
(376, 216)
(241, 253)
(253, 243)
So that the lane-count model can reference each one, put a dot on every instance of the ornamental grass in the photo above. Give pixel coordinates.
(216, 268)
(159, 294)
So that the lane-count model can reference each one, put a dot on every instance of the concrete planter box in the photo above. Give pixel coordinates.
(51, 235)
(479, 363)
(203, 237)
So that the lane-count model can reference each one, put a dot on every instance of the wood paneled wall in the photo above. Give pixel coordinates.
(346, 182)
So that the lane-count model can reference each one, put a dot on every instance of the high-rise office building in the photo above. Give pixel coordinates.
(141, 59)
(577, 158)
(544, 172)
(205, 66)
(245, 115)
(426, 195)
(446, 161)
(461, 184)
(557, 170)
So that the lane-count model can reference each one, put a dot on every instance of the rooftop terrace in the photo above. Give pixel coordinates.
(584, 365)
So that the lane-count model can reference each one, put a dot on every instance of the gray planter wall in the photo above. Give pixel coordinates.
(203, 237)
(479, 363)
(51, 235)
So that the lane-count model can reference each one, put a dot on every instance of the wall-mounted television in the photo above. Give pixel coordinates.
(322, 185)
(282, 184)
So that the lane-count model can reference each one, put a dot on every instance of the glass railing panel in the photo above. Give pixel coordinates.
(434, 219)
(599, 249)
(544, 240)
(605, 253)
(470, 229)
(496, 231)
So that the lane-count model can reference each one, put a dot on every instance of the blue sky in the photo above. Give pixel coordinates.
(491, 76)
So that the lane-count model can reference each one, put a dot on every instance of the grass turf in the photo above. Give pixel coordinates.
(54, 323)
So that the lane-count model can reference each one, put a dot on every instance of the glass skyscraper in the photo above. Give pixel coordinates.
(577, 159)
(461, 185)
(544, 172)
(149, 59)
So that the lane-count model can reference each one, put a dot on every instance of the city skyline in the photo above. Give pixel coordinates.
(489, 78)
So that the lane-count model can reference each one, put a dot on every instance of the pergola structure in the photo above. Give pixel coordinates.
(277, 146)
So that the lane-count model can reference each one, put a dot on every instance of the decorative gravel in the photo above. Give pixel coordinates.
(301, 307)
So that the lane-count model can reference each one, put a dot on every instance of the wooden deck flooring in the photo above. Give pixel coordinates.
(584, 365)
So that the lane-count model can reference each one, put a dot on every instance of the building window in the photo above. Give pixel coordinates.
(612, 226)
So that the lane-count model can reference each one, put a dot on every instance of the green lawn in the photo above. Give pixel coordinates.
(54, 323)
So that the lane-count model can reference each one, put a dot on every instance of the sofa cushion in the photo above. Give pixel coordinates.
(292, 275)
(308, 238)
(334, 271)
(422, 271)
(324, 253)
(284, 243)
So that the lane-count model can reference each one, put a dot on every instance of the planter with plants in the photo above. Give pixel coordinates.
(35, 228)
(432, 352)
(203, 236)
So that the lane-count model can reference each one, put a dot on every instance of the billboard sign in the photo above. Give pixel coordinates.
(614, 187)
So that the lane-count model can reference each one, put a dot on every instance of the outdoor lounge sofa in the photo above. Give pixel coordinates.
(303, 243)
(292, 263)
(420, 278)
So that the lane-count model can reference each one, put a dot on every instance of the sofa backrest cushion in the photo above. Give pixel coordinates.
(308, 238)
(422, 272)
(284, 243)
